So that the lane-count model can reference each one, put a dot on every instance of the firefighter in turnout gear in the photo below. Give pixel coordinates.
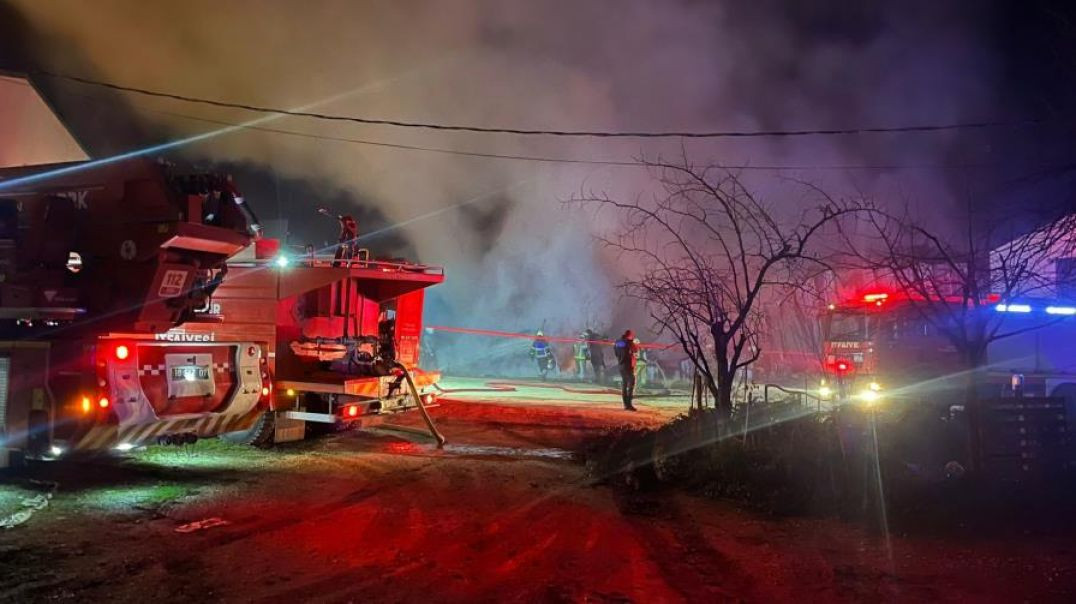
(582, 355)
(542, 352)
(626, 350)
(641, 365)
(346, 245)
(597, 355)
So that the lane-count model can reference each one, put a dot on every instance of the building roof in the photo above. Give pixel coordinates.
(31, 132)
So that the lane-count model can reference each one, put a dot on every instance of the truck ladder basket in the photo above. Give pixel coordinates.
(421, 405)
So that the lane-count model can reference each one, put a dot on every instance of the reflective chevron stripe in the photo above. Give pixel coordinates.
(98, 437)
(107, 437)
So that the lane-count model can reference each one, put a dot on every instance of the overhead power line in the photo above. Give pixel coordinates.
(544, 159)
(561, 160)
(535, 158)
(565, 133)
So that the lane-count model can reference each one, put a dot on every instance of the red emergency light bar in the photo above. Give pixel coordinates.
(879, 298)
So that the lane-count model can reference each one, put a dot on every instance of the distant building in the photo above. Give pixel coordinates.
(1046, 255)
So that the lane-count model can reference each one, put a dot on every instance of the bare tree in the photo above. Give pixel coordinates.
(708, 250)
(792, 341)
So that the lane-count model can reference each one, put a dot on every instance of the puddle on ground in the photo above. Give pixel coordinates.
(405, 446)
(490, 451)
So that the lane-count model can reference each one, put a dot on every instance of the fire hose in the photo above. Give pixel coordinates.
(513, 386)
(421, 405)
(490, 388)
(29, 505)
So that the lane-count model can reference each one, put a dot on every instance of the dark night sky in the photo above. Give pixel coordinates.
(105, 130)
(1034, 41)
(1029, 50)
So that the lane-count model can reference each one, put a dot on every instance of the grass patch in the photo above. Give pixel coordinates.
(151, 497)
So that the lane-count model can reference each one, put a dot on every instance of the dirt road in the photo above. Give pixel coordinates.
(503, 514)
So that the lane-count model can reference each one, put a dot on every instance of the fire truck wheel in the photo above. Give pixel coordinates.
(259, 434)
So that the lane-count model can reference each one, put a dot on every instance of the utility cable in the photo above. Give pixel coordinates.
(532, 158)
(560, 160)
(544, 159)
(977, 125)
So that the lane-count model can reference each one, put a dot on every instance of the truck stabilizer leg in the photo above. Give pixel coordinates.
(421, 406)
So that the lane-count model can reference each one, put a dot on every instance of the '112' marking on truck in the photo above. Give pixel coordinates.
(172, 283)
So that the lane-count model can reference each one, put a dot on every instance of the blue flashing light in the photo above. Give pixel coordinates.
(1061, 310)
(1021, 308)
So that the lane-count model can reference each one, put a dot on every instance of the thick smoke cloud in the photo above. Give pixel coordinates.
(516, 257)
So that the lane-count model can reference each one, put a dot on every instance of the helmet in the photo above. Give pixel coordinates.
(539, 333)
(583, 335)
(629, 335)
(636, 340)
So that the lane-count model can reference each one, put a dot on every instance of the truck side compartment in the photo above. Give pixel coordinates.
(333, 331)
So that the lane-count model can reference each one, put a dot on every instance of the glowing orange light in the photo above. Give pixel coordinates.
(122, 352)
(103, 402)
(265, 390)
(875, 297)
(86, 404)
(352, 411)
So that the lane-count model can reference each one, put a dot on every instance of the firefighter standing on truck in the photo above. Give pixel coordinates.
(542, 352)
(582, 355)
(626, 350)
(349, 231)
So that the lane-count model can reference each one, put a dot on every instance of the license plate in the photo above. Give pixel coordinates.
(190, 373)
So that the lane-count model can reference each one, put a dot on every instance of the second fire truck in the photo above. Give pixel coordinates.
(879, 342)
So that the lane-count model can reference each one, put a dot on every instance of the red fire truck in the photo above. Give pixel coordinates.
(96, 248)
(342, 336)
(880, 348)
(879, 344)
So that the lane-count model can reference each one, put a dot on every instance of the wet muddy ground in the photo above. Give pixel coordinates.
(505, 512)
